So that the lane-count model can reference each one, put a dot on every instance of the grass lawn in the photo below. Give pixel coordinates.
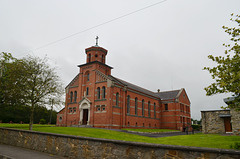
(196, 140)
(6, 125)
(151, 130)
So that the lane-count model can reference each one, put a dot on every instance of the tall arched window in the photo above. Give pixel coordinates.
(154, 110)
(98, 93)
(88, 77)
(102, 59)
(128, 104)
(143, 107)
(87, 91)
(149, 109)
(75, 96)
(103, 92)
(166, 106)
(89, 57)
(117, 99)
(136, 106)
(71, 97)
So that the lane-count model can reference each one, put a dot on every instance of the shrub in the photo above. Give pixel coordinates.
(42, 121)
(236, 146)
(196, 127)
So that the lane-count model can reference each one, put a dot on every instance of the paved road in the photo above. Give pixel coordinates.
(163, 134)
(155, 135)
(12, 152)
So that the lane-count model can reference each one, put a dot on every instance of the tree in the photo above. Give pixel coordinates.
(227, 72)
(41, 83)
(29, 81)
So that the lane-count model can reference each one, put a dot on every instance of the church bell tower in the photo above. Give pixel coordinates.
(96, 53)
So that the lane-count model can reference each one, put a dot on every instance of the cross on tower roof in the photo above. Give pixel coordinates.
(96, 40)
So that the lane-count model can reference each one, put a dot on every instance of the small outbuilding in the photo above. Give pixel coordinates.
(221, 121)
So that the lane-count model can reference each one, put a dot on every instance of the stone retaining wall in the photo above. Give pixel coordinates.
(85, 147)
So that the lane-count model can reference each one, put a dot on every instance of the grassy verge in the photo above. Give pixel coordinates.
(152, 130)
(6, 125)
(196, 140)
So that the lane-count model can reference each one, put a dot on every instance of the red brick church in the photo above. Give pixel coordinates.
(98, 99)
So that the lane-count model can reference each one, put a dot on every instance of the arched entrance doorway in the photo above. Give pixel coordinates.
(84, 108)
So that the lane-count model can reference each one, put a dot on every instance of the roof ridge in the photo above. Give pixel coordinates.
(169, 91)
(137, 88)
(135, 85)
(117, 79)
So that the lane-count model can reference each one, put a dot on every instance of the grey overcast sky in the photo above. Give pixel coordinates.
(162, 47)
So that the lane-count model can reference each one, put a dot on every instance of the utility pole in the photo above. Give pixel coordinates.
(51, 110)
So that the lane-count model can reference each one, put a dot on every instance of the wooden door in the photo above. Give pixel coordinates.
(85, 116)
(227, 123)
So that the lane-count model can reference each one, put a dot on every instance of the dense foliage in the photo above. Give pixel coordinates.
(227, 72)
(21, 113)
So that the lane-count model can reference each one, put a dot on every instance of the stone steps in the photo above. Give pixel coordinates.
(81, 126)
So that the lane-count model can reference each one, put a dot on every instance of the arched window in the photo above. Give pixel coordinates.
(87, 91)
(166, 106)
(98, 93)
(103, 92)
(149, 109)
(136, 106)
(128, 104)
(143, 107)
(75, 96)
(102, 59)
(117, 99)
(71, 97)
(89, 57)
(154, 110)
(88, 77)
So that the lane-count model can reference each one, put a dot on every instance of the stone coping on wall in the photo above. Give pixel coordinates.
(140, 144)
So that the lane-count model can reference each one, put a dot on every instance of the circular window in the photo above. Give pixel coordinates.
(96, 55)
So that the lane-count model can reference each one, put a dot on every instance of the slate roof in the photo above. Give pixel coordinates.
(168, 94)
(89, 63)
(162, 95)
(132, 86)
(229, 100)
